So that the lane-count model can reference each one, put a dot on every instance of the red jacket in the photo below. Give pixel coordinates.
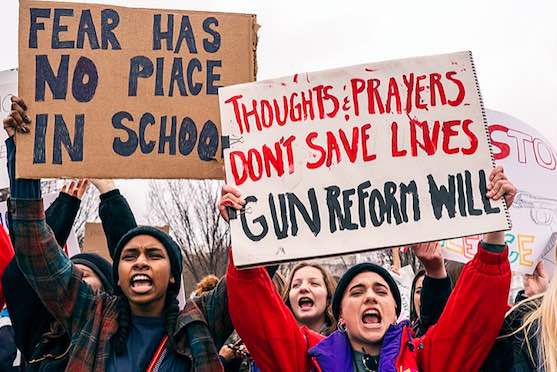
(460, 341)
(6, 254)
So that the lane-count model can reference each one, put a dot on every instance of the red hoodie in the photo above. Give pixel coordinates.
(460, 341)
(6, 254)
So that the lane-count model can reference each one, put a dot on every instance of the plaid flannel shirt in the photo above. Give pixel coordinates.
(202, 327)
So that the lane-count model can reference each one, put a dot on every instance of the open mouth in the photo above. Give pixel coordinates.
(305, 303)
(141, 283)
(371, 318)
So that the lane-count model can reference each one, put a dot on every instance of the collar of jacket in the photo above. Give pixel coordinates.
(335, 353)
(193, 339)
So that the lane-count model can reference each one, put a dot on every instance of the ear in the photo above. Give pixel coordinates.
(172, 281)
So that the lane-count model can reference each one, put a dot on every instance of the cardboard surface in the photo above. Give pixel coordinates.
(358, 158)
(530, 162)
(128, 107)
(95, 239)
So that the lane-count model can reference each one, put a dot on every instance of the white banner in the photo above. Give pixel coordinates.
(530, 162)
(358, 158)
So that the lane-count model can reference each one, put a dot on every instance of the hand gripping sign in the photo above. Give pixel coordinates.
(358, 158)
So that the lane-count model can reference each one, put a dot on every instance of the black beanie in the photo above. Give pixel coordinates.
(101, 267)
(360, 268)
(172, 249)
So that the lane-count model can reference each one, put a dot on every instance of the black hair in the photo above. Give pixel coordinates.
(413, 312)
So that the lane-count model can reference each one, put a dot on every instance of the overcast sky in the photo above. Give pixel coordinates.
(514, 43)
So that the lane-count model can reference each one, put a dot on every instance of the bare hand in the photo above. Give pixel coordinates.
(17, 120)
(431, 257)
(537, 282)
(230, 197)
(76, 189)
(103, 185)
(499, 186)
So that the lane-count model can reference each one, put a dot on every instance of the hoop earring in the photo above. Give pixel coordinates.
(341, 326)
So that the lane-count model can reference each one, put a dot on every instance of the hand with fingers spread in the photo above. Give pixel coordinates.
(17, 120)
(499, 186)
(76, 189)
(431, 257)
(103, 185)
(230, 197)
(537, 282)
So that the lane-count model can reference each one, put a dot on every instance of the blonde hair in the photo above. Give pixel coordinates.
(206, 284)
(542, 314)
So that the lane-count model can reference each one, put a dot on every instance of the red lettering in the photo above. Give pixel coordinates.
(419, 89)
(307, 105)
(358, 86)
(351, 150)
(504, 149)
(295, 108)
(234, 101)
(254, 154)
(409, 83)
(394, 142)
(289, 154)
(266, 119)
(273, 159)
(448, 132)
(281, 121)
(461, 92)
(393, 93)
(434, 87)
(365, 136)
(373, 96)
(331, 97)
(472, 136)
(238, 179)
(332, 146)
(319, 162)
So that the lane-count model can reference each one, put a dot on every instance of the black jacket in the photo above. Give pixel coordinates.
(511, 353)
(32, 323)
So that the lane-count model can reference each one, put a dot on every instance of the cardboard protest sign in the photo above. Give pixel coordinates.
(95, 239)
(530, 161)
(118, 92)
(358, 158)
(72, 246)
(8, 88)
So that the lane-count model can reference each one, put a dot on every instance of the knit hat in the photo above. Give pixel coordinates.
(101, 267)
(360, 268)
(172, 249)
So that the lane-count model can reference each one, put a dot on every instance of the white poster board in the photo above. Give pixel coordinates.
(72, 246)
(358, 158)
(8, 88)
(530, 162)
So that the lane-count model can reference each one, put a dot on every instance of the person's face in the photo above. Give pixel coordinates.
(417, 294)
(90, 277)
(367, 308)
(308, 295)
(144, 273)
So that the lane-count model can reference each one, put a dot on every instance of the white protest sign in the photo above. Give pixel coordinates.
(530, 162)
(72, 246)
(8, 88)
(358, 158)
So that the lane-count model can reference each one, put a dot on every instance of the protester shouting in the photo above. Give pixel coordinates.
(367, 303)
(140, 327)
(309, 295)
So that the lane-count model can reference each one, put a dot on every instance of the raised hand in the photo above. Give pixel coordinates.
(76, 189)
(17, 120)
(431, 257)
(230, 197)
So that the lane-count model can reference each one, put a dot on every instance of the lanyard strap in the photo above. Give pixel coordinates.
(158, 354)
